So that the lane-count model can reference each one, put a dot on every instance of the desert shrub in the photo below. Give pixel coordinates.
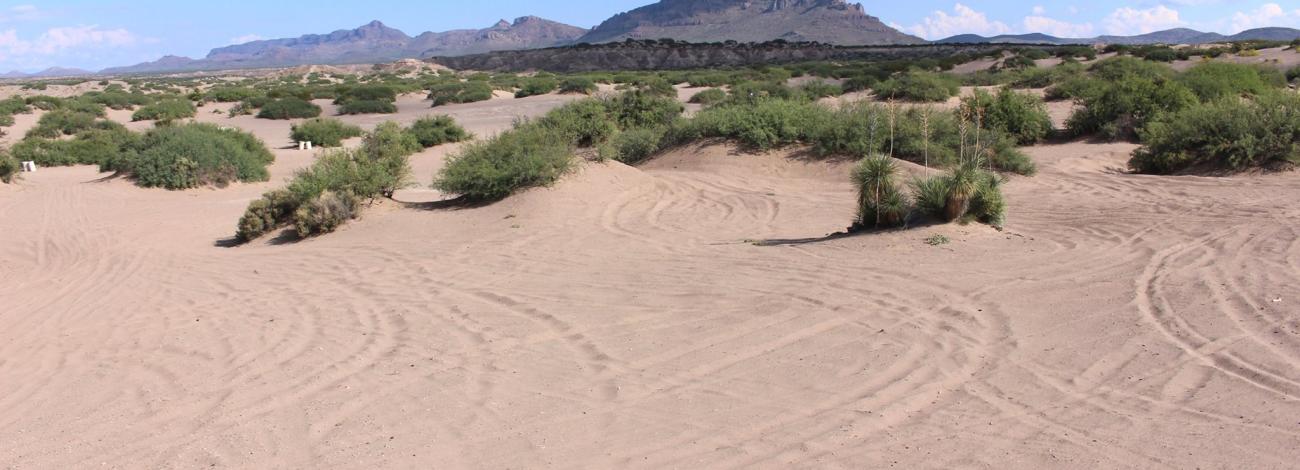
(859, 83)
(9, 167)
(709, 79)
(43, 102)
(438, 130)
(1223, 135)
(325, 213)
(6, 120)
(633, 146)
(230, 94)
(754, 92)
(525, 157)
(61, 122)
(582, 85)
(190, 155)
(1131, 93)
(367, 107)
(82, 105)
(585, 122)
(640, 108)
(1293, 74)
(105, 144)
(118, 99)
(766, 124)
(820, 89)
(14, 105)
(919, 86)
(366, 93)
(165, 110)
(653, 85)
(1073, 88)
(881, 203)
(325, 132)
(966, 192)
(709, 97)
(460, 92)
(274, 209)
(1034, 54)
(388, 148)
(289, 108)
(539, 85)
(1215, 80)
(1021, 115)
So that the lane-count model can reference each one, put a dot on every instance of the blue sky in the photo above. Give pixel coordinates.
(96, 34)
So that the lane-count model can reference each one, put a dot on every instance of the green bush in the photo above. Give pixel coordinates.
(230, 94)
(61, 122)
(766, 124)
(581, 85)
(633, 146)
(1228, 135)
(820, 89)
(1293, 74)
(539, 85)
(754, 92)
(289, 108)
(1021, 115)
(165, 110)
(325, 132)
(325, 213)
(1074, 88)
(191, 155)
(1131, 93)
(437, 130)
(525, 157)
(709, 97)
(919, 86)
(9, 167)
(118, 99)
(640, 108)
(367, 107)
(460, 92)
(14, 105)
(389, 148)
(859, 83)
(584, 123)
(1215, 80)
(263, 215)
(367, 93)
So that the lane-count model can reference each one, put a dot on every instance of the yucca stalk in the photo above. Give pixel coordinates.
(925, 137)
(892, 119)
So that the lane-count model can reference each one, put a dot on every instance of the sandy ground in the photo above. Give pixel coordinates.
(620, 319)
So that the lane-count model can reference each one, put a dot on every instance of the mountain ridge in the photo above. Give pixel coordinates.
(1169, 36)
(827, 21)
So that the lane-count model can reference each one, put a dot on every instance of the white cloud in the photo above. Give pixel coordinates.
(55, 41)
(1039, 10)
(1269, 14)
(246, 38)
(1129, 21)
(21, 13)
(962, 20)
(1061, 29)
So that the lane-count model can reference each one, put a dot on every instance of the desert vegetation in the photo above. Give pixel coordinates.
(289, 108)
(325, 132)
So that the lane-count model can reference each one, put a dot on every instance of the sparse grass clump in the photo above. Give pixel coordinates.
(438, 130)
(1224, 135)
(325, 132)
(289, 108)
(166, 110)
(919, 86)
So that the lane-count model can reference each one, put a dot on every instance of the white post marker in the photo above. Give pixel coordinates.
(29, 167)
(308, 145)
(302, 145)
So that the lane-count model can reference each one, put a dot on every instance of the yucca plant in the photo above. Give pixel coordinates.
(931, 195)
(963, 183)
(880, 202)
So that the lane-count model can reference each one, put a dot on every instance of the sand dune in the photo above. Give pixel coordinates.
(620, 319)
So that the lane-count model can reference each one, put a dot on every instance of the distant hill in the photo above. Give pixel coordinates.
(1171, 36)
(373, 42)
(52, 72)
(826, 21)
